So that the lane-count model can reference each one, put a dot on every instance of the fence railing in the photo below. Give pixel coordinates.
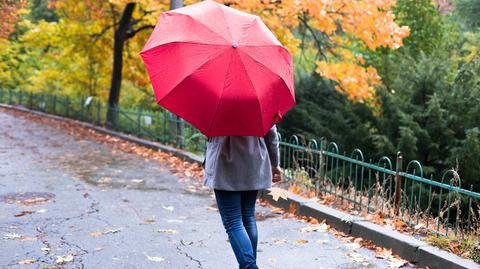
(436, 204)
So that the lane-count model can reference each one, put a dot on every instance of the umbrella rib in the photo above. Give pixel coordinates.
(153, 75)
(221, 95)
(182, 42)
(265, 46)
(245, 33)
(255, 90)
(204, 25)
(191, 73)
(226, 23)
(270, 71)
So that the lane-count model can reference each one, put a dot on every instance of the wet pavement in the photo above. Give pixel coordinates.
(66, 202)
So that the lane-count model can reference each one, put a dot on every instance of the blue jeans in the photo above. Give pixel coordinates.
(237, 209)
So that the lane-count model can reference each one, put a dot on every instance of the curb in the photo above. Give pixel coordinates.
(407, 247)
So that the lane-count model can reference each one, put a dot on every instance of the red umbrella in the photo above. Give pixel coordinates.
(220, 69)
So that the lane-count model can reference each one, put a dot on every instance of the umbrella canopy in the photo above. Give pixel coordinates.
(220, 69)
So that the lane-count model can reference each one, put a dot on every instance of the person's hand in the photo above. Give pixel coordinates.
(277, 174)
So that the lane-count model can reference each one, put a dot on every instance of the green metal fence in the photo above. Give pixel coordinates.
(437, 204)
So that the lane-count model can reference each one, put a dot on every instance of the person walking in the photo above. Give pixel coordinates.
(236, 168)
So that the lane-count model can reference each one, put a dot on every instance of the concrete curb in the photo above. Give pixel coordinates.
(405, 246)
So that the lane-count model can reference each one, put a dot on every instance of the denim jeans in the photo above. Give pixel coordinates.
(237, 210)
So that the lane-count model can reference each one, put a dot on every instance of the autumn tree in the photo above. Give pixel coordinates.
(338, 31)
(9, 15)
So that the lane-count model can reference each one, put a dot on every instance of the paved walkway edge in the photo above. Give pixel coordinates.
(186, 155)
(407, 247)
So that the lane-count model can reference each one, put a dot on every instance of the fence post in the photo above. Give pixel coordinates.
(98, 112)
(30, 104)
(398, 183)
(164, 116)
(82, 108)
(180, 132)
(113, 111)
(10, 96)
(1, 95)
(54, 104)
(139, 117)
(67, 106)
(43, 105)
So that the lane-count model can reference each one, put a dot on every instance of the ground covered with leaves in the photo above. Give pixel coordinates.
(73, 198)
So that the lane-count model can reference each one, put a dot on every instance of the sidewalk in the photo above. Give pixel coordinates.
(88, 206)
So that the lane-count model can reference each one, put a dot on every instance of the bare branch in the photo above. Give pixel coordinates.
(134, 32)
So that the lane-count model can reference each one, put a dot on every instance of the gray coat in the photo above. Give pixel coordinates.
(240, 163)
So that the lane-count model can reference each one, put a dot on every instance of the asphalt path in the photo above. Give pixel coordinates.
(69, 202)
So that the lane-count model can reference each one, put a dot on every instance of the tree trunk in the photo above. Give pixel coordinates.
(174, 4)
(120, 36)
(180, 140)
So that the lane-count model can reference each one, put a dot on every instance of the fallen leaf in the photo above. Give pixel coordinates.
(383, 253)
(35, 201)
(315, 228)
(28, 238)
(169, 208)
(292, 208)
(23, 213)
(112, 231)
(356, 257)
(12, 236)
(396, 262)
(26, 262)
(175, 221)
(149, 220)
(96, 234)
(399, 224)
(167, 231)
(329, 198)
(153, 258)
(99, 233)
(277, 210)
(277, 193)
(352, 245)
(301, 241)
(294, 189)
(105, 180)
(64, 259)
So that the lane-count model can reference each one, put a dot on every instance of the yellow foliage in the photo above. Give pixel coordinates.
(343, 25)
(75, 54)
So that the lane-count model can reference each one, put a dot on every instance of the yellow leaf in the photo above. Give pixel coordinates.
(26, 262)
(277, 193)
